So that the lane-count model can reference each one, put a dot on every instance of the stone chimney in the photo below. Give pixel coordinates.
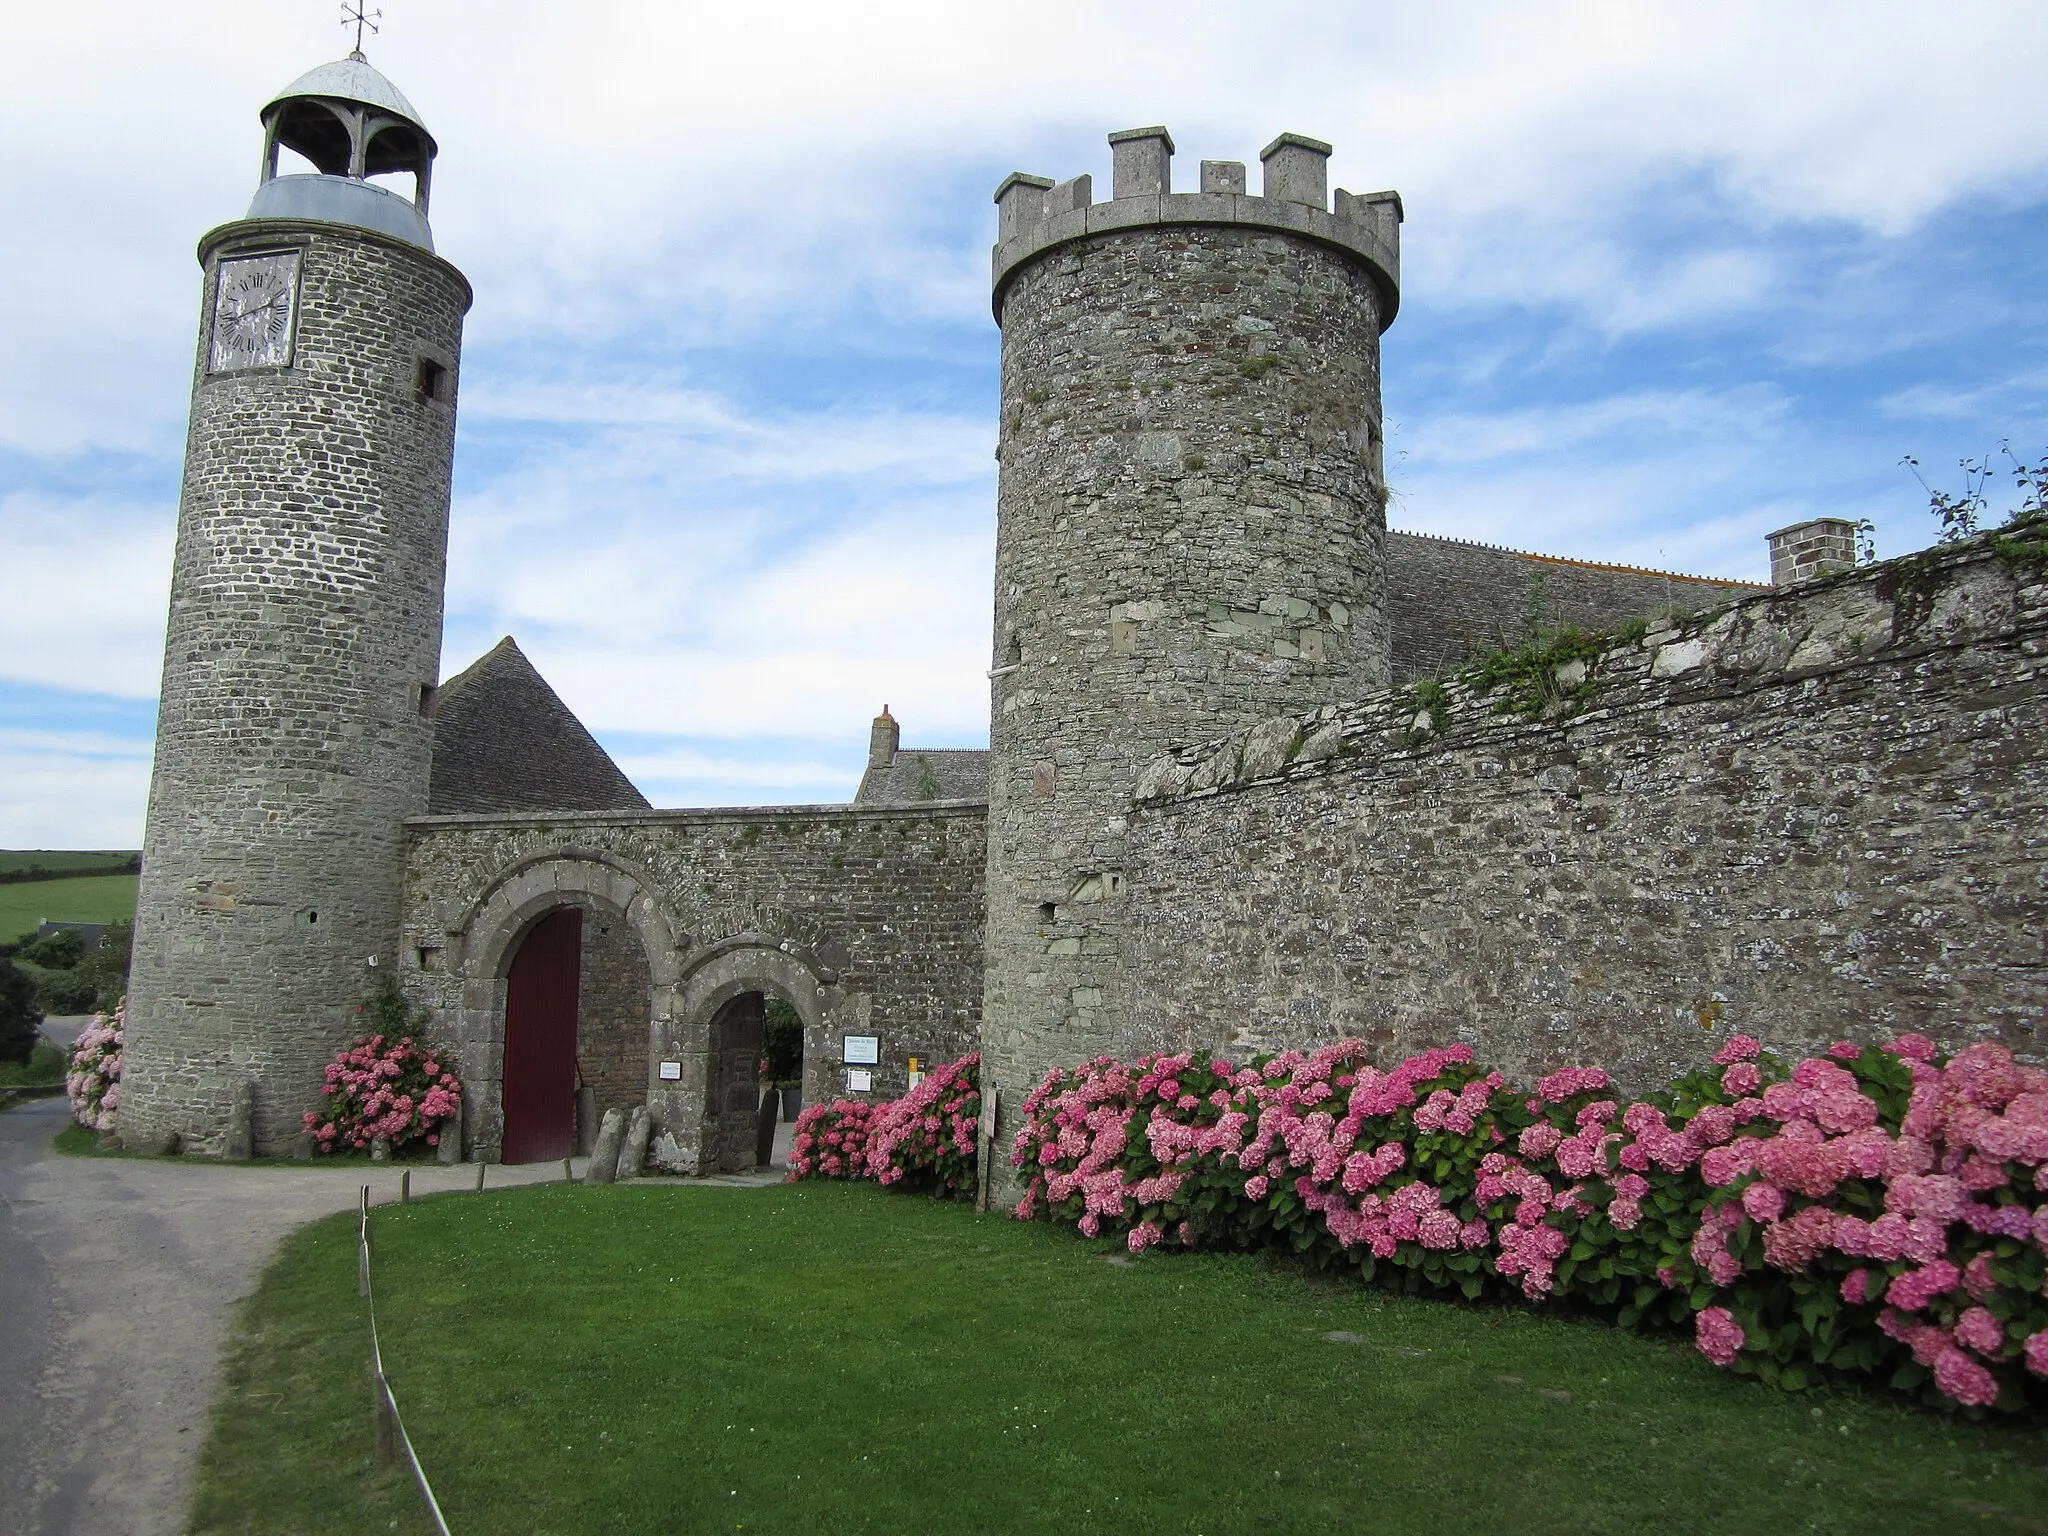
(883, 737)
(1810, 549)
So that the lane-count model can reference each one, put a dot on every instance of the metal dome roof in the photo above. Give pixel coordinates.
(350, 79)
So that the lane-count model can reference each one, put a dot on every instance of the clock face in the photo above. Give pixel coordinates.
(252, 312)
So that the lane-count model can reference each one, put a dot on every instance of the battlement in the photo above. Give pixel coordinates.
(1036, 214)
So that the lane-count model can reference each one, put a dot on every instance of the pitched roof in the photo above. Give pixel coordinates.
(926, 773)
(505, 741)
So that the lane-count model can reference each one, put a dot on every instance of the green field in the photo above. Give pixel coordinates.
(12, 859)
(811, 1357)
(88, 899)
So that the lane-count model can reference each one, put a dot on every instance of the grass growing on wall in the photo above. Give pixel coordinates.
(834, 1358)
(88, 899)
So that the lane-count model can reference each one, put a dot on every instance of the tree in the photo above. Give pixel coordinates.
(105, 970)
(20, 1019)
(61, 951)
(783, 1040)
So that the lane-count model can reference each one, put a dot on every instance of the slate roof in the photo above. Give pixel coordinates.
(505, 741)
(926, 773)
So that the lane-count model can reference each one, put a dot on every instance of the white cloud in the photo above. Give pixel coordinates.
(88, 588)
(71, 789)
(803, 191)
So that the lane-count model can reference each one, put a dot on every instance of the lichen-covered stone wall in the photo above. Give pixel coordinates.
(1820, 812)
(867, 920)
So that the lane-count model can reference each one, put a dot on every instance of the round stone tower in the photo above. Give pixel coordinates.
(1190, 530)
(305, 625)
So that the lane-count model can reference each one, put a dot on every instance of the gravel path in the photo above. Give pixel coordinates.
(117, 1278)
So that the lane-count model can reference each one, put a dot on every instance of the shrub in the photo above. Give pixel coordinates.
(106, 968)
(925, 1140)
(385, 1085)
(380, 1089)
(94, 1081)
(21, 1021)
(1870, 1213)
(782, 1040)
(65, 993)
(61, 951)
(831, 1140)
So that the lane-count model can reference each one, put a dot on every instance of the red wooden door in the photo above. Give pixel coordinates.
(540, 1040)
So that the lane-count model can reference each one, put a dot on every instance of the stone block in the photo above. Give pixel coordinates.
(1297, 170)
(633, 1151)
(604, 1155)
(1020, 204)
(241, 1137)
(1141, 162)
(1223, 177)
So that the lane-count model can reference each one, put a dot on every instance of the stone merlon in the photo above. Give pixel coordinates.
(1036, 216)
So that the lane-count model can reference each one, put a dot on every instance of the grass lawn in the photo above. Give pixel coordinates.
(834, 1358)
(88, 899)
(45, 1065)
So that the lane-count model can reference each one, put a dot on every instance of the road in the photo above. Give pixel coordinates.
(118, 1278)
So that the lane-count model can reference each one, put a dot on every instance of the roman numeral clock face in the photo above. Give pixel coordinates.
(253, 298)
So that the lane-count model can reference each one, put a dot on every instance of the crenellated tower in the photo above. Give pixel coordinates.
(295, 730)
(1190, 529)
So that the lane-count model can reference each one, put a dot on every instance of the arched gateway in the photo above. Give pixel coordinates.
(864, 922)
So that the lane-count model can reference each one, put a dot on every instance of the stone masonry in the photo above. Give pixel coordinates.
(867, 920)
(305, 629)
(1818, 813)
(1189, 528)
(1449, 600)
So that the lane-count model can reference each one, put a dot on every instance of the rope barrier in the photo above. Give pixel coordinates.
(391, 1435)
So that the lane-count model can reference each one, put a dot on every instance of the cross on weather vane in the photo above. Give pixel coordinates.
(356, 16)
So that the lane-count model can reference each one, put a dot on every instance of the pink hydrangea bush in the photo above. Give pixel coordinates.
(831, 1140)
(396, 1090)
(1869, 1212)
(92, 1081)
(925, 1141)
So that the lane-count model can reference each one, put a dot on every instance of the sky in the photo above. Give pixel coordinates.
(1673, 276)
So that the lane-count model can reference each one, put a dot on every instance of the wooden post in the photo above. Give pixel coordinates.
(405, 1187)
(479, 1178)
(568, 1175)
(363, 1244)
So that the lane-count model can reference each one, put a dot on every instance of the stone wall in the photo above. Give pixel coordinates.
(1448, 599)
(305, 623)
(867, 920)
(1821, 812)
(612, 1020)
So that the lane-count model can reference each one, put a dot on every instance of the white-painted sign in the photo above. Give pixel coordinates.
(859, 1080)
(864, 1049)
(671, 1071)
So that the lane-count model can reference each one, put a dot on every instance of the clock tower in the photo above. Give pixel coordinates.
(296, 728)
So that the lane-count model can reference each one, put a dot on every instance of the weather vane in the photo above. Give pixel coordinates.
(355, 16)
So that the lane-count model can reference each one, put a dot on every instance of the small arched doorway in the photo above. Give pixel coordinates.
(755, 1029)
(539, 1092)
(735, 1050)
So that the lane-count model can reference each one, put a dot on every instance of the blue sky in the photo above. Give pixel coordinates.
(1674, 276)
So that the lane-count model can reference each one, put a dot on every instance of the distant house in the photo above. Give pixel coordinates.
(89, 934)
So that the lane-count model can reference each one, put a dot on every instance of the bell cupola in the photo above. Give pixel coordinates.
(352, 125)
